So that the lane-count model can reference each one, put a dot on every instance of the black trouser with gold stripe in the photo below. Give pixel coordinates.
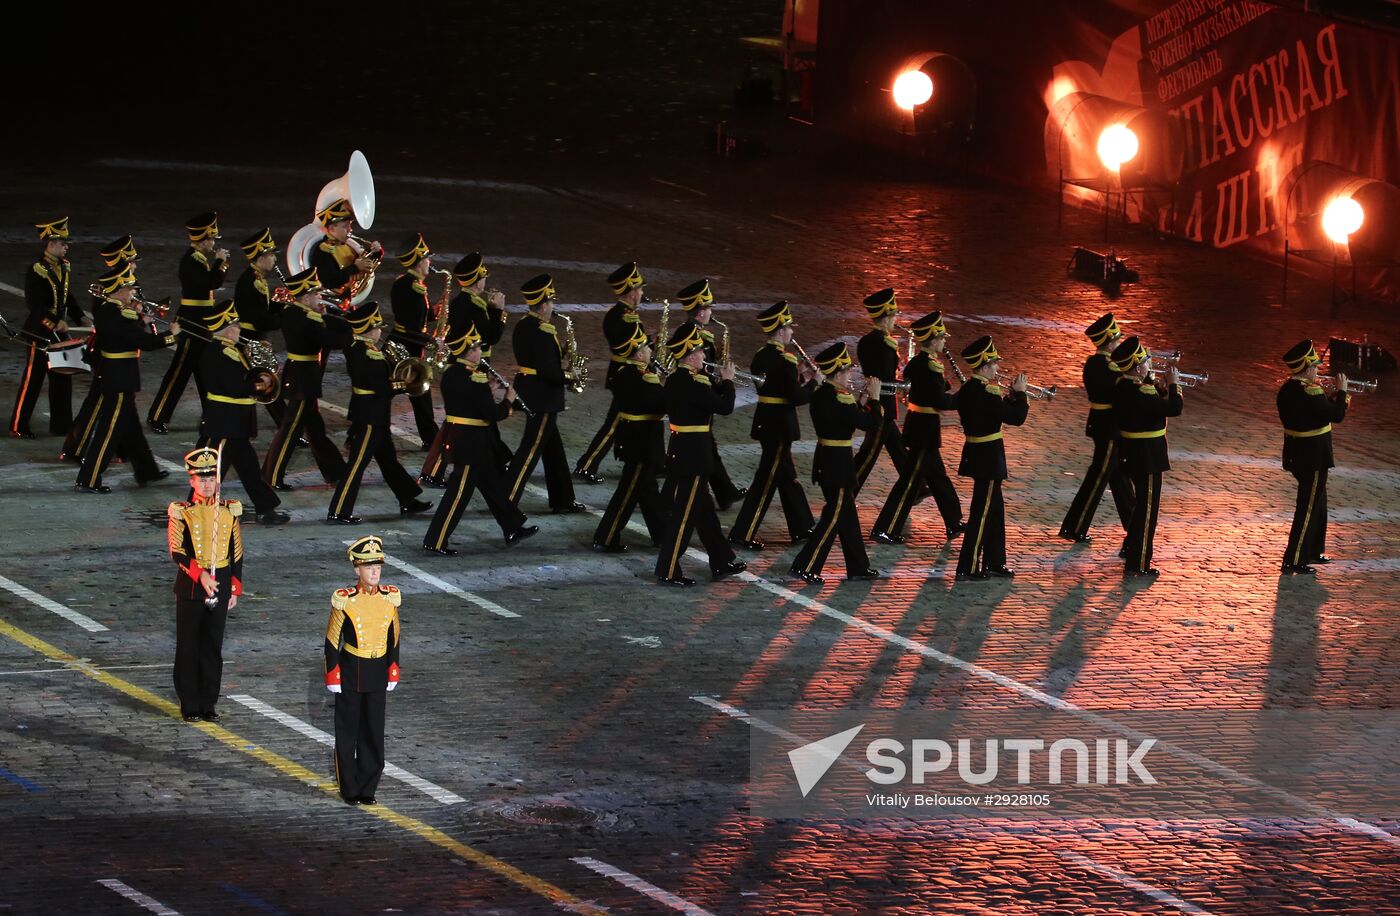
(984, 542)
(117, 430)
(776, 473)
(183, 364)
(691, 511)
(721, 486)
(1142, 527)
(838, 519)
(302, 418)
(1307, 538)
(75, 443)
(636, 488)
(924, 466)
(541, 442)
(359, 741)
(1106, 470)
(36, 369)
(239, 455)
(368, 442)
(602, 442)
(887, 437)
(199, 651)
(466, 478)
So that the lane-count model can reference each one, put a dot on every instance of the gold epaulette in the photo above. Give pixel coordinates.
(419, 286)
(391, 594)
(260, 285)
(651, 378)
(846, 398)
(176, 509)
(1148, 389)
(789, 357)
(327, 247)
(199, 256)
(235, 508)
(702, 379)
(631, 316)
(339, 598)
(479, 377)
(41, 270)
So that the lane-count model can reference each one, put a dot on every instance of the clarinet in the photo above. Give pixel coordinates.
(497, 376)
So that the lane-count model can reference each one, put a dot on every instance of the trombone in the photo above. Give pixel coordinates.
(1354, 385)
(1034, 392)
(754, 379)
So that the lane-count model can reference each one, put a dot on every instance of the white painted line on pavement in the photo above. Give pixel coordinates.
(627, 879)
(48, 604)
(136, 897)
(438, 793)
(83, 668)
(1127, 880)
(12, 290)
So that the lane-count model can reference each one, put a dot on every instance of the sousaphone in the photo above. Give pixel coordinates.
(356, 186)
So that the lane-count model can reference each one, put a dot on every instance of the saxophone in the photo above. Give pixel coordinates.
(435, 353)
(576, 364)
(661, 354)
(723, 341)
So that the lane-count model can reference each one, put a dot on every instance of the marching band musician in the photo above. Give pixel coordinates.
(836, 414)
(472, 414)
(1106, 468)
(628, 286)
(307, 335)
(230, 418)
(698, 301)
(878, 355)
(258, 313)
(640, 401)
(786, 386)
(52, 305)
(371, 391)
(484, 311)
(362, 665)
(337, 260)
(75, 442)
(206, 544)
(692, 401)
(409, 299)
(1140, 409)
(983, 407)
(202, 269)
(923, 436)
(1307, 415)
(539, 357)
(116, 426)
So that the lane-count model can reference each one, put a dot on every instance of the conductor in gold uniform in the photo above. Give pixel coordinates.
(362, 665)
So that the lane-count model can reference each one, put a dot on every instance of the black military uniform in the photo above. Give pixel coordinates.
(307, 334)
(472, 414)
(692, 401)
(48, 294)
(258, 314)
(1106, 468)
(878, 355)
(1141, 409)
(333, 261)
(362, 666)
(539, 357)
(775, 428)
(412, 310)
(75, 442)
(116, 427)
(1307, 415)
(618, 324)
(200, 275)
(468, 309)
(983, 407)
(929, 397)
(693, 299)
(836, 415)
(203, 535)
(640, 401)
(230, 420)
(369, 439)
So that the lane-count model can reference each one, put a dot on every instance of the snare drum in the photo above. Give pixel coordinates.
(66, 357)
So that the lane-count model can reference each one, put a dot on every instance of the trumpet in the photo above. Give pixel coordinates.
(754, 379)
(1354, 385)
(504, 384)
(1169, 357)
(1191, 379)
(1034, 392)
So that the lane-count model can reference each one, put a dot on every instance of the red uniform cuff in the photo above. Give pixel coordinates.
(333, 676)
(194, 570)
(237, 586)
(394, 673)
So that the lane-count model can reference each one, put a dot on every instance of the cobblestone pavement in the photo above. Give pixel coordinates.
(556, 754)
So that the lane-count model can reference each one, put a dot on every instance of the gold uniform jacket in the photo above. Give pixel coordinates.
(362, 639)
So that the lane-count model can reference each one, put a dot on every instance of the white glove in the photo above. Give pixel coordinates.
(333, 688)
(392, 685)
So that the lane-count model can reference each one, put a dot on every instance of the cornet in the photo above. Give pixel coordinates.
(1034, 392)
(750, 377)
(1191, 379)
(1354, 385)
